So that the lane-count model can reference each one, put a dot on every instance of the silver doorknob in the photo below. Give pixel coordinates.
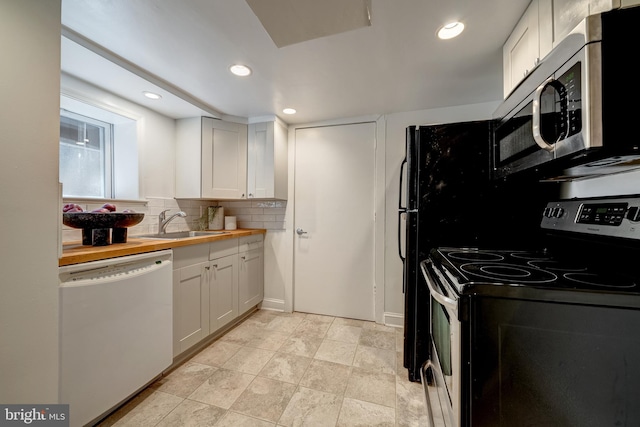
(300, 231)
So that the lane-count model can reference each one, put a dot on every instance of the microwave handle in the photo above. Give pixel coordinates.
(537, 136)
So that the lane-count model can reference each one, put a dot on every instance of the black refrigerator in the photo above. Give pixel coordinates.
(448, 198)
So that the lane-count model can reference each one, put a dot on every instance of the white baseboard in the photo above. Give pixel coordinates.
(272, 304)
(394, 319)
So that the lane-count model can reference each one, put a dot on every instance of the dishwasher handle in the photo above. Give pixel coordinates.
(112, 269)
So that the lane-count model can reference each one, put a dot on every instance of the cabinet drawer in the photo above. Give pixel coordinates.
(223, 248)
(248, 243)
(189, 255)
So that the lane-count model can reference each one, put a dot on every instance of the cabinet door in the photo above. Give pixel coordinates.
(224, 159)
(521, 50)
(223, 291)
(567, 14)
(251, 286)
(559, 17)
(267, 161)
(260, 160)
(191, 306)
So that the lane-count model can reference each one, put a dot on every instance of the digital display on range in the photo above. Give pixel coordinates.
(602, 214)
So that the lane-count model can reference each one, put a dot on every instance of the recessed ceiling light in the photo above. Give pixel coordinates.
(151, 95)
(289, 111)
(450, 30)
(240, 70)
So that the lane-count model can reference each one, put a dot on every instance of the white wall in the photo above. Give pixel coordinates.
(29, 200)
(609, 185)
(156, 136)
(277, 268)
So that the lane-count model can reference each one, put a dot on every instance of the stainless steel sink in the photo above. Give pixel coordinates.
(181, 235)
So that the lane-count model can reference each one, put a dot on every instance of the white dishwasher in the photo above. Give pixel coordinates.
(116, 323)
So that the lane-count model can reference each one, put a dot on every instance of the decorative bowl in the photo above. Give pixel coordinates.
(96, 226)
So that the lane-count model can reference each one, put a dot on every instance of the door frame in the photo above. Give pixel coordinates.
(379, 203)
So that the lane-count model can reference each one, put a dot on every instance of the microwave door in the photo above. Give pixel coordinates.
(550, 114)
(515, 148)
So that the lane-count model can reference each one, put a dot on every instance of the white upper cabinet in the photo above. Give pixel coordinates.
(559, 17)
(224, 159)
(211, 159)
(267, 161)
(521, 51)
(543, 25)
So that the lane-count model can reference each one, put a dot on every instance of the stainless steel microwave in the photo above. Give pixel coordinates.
(578, 113)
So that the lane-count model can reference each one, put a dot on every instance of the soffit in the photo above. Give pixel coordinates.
(294, 21)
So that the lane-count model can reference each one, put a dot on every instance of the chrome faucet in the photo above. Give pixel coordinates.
(162, 222)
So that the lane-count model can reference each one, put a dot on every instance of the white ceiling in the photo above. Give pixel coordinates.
(185, 48)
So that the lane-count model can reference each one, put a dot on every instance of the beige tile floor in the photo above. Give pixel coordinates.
(286, 369)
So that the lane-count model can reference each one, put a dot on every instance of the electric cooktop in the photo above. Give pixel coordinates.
(535, 275)
(529, 268)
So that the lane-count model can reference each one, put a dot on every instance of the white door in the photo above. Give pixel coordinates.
(334, 220)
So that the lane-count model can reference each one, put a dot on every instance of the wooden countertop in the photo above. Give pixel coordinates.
(75, 252)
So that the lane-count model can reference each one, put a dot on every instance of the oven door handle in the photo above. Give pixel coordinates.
(447, 302)
(428, 365)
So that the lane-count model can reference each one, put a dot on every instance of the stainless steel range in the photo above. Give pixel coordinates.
(540, 337)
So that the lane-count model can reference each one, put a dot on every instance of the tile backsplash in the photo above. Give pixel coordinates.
(266, 214)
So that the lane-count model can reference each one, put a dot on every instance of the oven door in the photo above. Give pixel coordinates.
(441, 373)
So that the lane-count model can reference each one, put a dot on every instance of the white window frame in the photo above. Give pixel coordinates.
(106, 147)
(124, 172)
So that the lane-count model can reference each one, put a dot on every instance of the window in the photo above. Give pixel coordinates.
(86, 145)
(98, 152)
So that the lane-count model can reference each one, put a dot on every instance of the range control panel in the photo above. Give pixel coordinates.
(602, 213)
(611, 216)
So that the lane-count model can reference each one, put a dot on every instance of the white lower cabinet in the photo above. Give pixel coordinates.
(213, 284)
(190, 297)
(223, 291)
(251, 286)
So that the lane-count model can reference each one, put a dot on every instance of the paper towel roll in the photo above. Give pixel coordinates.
(230, 223)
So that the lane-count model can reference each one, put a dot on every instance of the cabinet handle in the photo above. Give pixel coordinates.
(207, 268)
(215, 266)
